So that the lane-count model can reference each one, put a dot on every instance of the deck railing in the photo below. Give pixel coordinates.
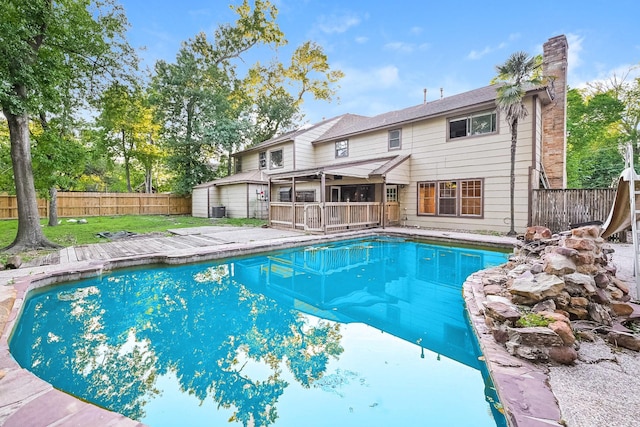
(332, 216)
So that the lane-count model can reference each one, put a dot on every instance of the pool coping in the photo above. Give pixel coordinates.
(33, 401)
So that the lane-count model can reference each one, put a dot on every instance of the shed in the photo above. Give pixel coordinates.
(242, 195)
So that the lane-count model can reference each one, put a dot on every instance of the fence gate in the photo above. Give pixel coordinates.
(313, 217)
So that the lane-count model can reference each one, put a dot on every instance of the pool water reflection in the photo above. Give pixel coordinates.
(365, 332)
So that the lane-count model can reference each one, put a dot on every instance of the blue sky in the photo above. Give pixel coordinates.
(391, 50)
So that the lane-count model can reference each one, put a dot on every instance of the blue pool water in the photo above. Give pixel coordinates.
(361, 332)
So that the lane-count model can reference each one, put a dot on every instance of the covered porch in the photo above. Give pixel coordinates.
(334, 198)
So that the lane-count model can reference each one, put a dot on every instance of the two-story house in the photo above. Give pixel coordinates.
(441, 164)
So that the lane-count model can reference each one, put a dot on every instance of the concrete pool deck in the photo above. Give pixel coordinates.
(598, 390)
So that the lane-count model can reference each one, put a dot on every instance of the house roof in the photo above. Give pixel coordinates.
(367, 168)
(249, 177)
(290, 136)
(466, 100)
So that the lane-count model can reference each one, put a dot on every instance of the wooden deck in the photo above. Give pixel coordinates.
(122, 248)
(187, 240)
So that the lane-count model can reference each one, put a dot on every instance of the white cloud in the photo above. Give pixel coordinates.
(416, 30)
(622, 72)
(399, 47)
(575, 49)
(479, 54)
(475, 54)
(404, 47)
(363, 80)
(362, 39)
(334, 24)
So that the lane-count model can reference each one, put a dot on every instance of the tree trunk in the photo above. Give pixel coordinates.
(126, 163)
(53, 207)
(148, 183)
(30, 235)
(512, 177)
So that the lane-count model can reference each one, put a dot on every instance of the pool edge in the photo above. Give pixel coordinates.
(57, 407)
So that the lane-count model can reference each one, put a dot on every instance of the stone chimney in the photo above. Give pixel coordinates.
(554, 115)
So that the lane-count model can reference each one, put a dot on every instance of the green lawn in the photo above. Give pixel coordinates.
(73, 233)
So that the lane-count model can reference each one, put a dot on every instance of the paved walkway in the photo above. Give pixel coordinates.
(600, 390)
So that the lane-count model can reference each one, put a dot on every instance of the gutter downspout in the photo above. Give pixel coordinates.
(534, 157)
(293, 202)
(383, 220)
(323, 201)
(269, 200)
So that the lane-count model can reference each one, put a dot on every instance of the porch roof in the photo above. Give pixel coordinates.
(370, 168)
(249, 177)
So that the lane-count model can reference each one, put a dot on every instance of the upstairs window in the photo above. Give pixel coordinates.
(394, 139)
(277, 160)
(473, 124)
(238, 164)
(342, 148)
(262, 160)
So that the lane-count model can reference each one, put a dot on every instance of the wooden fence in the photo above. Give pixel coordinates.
(74, 205)
(558, 210)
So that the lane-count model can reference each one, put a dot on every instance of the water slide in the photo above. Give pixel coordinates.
(620, 215)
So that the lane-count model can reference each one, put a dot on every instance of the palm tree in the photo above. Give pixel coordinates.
(518, 74)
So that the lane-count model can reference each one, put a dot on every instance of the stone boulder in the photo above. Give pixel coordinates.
(585, 281)
(565, 355)
(624, 339)
(537, 288)
(564, 331)
(535, 336)
(13, 262)
(537, 232)
(501, 312)
(558, 264)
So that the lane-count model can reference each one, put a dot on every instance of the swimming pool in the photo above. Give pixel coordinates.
(360, 332)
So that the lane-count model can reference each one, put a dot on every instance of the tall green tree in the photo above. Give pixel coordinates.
(197, 94)
(6, 176)
(128, 129)
(58, 161)
(626, 89)
(46, 46)
(279, 90)
(519, 73)
(593, 137)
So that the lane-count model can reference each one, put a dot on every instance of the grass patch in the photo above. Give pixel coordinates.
(533, 319)
(71, 233)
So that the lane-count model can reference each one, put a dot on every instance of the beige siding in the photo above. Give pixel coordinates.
(433, 158)
(199, 203)
(250, 162)
(258, 205)
(401, 174)
(367, 146)
(305, 155)
(287, 155)
(234, 199)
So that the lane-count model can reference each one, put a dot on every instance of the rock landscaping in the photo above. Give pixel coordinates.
(556, 291)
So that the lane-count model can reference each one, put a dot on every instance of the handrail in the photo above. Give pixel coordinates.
(633, 211)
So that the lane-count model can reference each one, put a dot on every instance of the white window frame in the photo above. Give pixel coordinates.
(262, 160)
(397, 145)
(342, 148)
(470, 120)
(273, 165)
